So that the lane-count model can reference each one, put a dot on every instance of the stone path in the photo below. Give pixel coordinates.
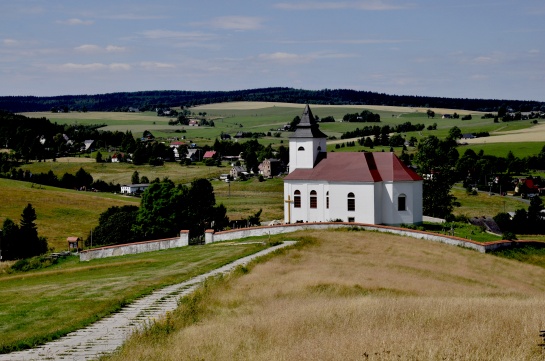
(108, 334)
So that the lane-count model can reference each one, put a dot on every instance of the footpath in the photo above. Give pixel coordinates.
(106, 335)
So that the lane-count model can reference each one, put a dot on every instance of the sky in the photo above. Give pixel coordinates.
(488, 49)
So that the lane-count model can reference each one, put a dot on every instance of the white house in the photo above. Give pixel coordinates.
(134, 188)
(374, 188)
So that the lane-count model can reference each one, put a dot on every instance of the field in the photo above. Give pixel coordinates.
(359, 296)
(42, 305)
(60, 212)
(243, 199)
(267, 117)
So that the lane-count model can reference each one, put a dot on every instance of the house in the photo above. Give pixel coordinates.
(193, 123)
(373, 188)
(225, 136)
(468, 136)
(446, 116)
(117, 157)
(270, 167)
(88, 144)
(73, 243)
(237, 171)
(209, 154)
(195, 155)
(134, 188)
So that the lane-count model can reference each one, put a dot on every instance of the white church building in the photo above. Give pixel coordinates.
(373, 188)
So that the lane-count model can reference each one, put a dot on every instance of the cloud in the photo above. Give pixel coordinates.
(240, 23)
(345, 41)
(367, 5)
(132, 16)
(484, 60)
(170, 34)
(75, 22)
(91, 48)
(10, 42)
(91, 67)
(284, 57)
(150, 65)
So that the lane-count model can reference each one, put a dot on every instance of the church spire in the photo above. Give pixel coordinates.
(308, 127)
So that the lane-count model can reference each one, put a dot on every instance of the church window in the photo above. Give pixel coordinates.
(300, 148)
(319, 149)
(313, 199)
(297, 199)
(327, 200)
(402, 203)
(351, 219)
(351, 202)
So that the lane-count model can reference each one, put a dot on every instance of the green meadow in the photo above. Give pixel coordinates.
(39, 306)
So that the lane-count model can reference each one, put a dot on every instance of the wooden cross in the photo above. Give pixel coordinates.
(288, 201)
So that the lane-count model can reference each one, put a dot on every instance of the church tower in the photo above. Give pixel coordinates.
(307, 143)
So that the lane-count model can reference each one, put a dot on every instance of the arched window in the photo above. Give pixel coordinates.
(297, 199)
(313, 199)
(300, 148)
(402, 203)
(319, 149)
(351, 202)
(327, 200)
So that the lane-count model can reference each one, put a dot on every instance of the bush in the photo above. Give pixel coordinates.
(510, 236)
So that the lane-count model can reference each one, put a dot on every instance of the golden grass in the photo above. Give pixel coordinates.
(359, 296)
(262, 105)
(60, 213)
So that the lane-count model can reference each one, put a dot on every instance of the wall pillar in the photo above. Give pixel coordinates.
(184, 238)
(209, 236)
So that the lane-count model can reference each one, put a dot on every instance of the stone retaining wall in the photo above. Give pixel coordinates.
(134, 248)
(211, 237)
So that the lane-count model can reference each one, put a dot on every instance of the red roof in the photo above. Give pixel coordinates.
(209, 154)
(357, 167)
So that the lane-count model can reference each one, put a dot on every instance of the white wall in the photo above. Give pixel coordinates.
(305, 159)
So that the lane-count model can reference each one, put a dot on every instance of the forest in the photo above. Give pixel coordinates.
(151, 100)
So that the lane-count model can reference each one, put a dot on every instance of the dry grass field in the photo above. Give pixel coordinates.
(262, 105)
(350, 295)
(532, 134)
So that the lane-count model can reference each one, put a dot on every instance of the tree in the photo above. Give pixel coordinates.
(10, 237)
(161, 211)
(99, 157)
(430, 113)
(435, 160)
(135, 178)
(30, 244)
(454, 133)
(83, 178)
(114, 227)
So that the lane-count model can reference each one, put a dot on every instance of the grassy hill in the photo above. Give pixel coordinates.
(42, 305)
(355, 296)
(60, 212)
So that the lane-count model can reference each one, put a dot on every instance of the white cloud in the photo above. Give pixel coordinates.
(91, 67)
(534, 51)
(169, 34)
(368, 5)
(88, 48)
(91, 48)
(115, 49)
(10, 42)
(234, 23)
(484, 60)
(75, 21)
(284, 57)
(150, 65)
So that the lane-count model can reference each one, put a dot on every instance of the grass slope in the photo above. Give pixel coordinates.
(60, 212)
(359, 296)
(42, 305)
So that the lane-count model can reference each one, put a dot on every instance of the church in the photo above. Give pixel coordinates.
(363, 187)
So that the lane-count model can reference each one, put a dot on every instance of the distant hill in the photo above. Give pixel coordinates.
(149, 100)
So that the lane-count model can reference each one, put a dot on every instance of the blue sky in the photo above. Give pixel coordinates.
(493, 49)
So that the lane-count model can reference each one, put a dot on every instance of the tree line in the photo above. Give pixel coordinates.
(160, 99)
